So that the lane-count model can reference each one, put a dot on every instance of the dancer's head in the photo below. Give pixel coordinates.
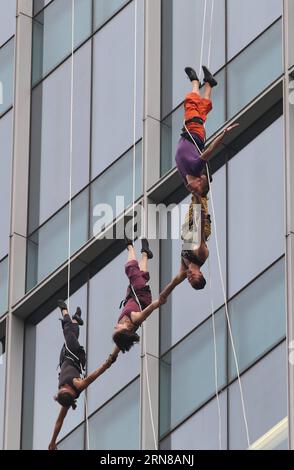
(124, 336)
(199, 186)
(195, 277)
(66, 397)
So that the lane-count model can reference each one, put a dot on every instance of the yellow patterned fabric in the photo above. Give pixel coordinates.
(189, 220)
(204, 208)
(207, 223)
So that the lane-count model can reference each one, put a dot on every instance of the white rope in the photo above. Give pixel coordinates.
(86, 397)
(70, 201)
(215, 359)
(210, 277)
(70, 149)
(133, 214)
(224, 294)
(134, 116)
(202, 39)
(210, 34)
(87, 421)
(147, 373)
(227, 310)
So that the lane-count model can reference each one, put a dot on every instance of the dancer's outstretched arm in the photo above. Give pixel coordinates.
(215, 143)
(57, 427)
(97, 372)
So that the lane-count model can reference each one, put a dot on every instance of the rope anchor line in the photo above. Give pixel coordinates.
(70, 200)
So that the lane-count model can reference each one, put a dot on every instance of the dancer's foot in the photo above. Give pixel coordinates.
(146, 249)
(208, 77)
(77, 316)
(192, 75)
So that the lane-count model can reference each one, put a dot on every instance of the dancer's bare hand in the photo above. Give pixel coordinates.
(230, 128)
(52, 446)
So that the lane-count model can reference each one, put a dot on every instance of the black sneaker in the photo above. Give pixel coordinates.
(146, 249)
(61, 304)
(192, 75)
(208, 77)
(77, 316)
(129, 241)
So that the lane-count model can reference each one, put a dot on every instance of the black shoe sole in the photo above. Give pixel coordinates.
(192, 75)
(78, 319)
(208, 77)
(148, 253)
(61, 304)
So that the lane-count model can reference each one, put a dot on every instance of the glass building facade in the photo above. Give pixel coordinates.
(124, 114)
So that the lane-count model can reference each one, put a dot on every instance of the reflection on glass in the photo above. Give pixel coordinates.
(6, 75)
(116, 425)
(2, 380)
(75, 440)
(241, 33)
(115, 182)
(265, 396)
(187, 376)
(3, 285)
(201, 430)
(181, 37)
(52, 33)
(255, 69)
(48, 247)
(112, 104)
(258, 317)
(172, 125)
(104, 9)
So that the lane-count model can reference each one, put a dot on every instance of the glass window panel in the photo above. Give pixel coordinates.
(256, 218)
(50, 138)
(201, 431)
(49, 340)
(260, 304)
(52, 33)
(48, 247)
(187, 377)
(117, 181)
(182, 28)
(7, 19)
(175, 324)
(75, 440)
(6, 76)
(119, 420)
(172, 125)
(107, 289)
(265, 396)
(5, 180)
(2, 381)
(248, 19)
(3, 286)
(104, 9)
(114, 103)
(255, 69)
(52, 237)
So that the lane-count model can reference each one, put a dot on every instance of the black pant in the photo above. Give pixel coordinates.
(71, 332)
